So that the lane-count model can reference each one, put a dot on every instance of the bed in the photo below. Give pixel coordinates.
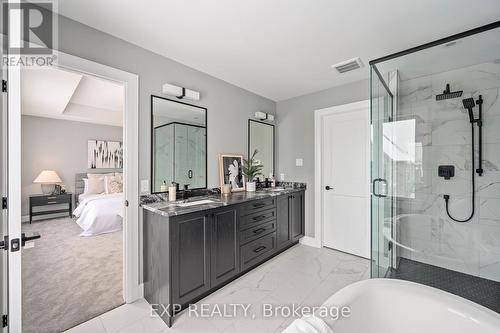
(97, 213)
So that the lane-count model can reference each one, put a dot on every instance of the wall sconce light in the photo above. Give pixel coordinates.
(180, 92)
(264, 116)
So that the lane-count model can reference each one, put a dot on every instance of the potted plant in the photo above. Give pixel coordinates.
(251, 169)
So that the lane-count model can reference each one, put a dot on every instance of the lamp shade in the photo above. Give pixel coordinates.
(47, 177)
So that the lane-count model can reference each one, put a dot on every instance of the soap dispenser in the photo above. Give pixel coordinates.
(172, 191)
(163, 187)
(273, 180)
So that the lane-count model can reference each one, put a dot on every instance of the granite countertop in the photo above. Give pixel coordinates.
(157, 203)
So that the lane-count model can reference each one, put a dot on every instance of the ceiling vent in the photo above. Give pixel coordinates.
(348, 65)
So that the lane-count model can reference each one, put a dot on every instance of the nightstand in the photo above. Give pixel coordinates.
(47, 200)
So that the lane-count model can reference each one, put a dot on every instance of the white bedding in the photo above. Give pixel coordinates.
(100, 213)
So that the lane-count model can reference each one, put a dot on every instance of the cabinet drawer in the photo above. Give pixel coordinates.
(50, 200)
(256, 218)
(257, 206)
(256, 232)
(257, 251)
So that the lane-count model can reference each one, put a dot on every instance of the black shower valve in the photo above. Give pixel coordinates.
(446, 171)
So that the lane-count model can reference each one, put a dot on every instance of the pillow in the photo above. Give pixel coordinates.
(85, 185)
(100, 174)
(96, 183)
(119, 176)
(114, 186)
(107, 180)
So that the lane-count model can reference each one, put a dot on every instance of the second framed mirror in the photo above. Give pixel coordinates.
(261, 137)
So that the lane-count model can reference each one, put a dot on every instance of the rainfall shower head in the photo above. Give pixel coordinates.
(447, 94)
(469, 105)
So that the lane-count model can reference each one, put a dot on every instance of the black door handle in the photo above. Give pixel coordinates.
(190, 174)
(328, 188)
(25, 239)
(374, 187)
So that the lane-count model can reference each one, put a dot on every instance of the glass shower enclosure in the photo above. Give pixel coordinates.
(435, 165)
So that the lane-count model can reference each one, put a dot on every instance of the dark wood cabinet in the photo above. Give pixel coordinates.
(297, 215)
(283, 222)
(191, 245)
(225, 254)
(188, 256)
(290, 219)
(49, 200)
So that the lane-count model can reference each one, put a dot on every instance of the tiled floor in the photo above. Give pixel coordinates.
(301, 275)
(479, 290)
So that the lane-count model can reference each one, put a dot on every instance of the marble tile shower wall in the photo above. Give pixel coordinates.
(443, 136)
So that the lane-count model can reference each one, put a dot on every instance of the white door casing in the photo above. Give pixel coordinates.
(131, 286)
(342, 162)
(132, 289)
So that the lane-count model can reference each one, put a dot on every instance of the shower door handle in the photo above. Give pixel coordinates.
(374, 187)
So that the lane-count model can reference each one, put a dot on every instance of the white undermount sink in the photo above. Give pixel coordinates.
(195, 203)
(274, 189)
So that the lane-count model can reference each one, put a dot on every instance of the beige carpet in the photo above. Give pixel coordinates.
(68, 279)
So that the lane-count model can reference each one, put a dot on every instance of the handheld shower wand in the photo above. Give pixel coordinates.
(469, 104)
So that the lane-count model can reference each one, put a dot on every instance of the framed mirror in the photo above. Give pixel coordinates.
(178, 144)
(261, 137)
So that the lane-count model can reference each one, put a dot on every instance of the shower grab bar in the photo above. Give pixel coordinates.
(376, 180)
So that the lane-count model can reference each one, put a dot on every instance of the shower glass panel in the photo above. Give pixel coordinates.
(435, 116)
(381, 174)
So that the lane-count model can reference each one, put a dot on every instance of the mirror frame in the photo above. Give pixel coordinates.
(151, 181)
(274, 142)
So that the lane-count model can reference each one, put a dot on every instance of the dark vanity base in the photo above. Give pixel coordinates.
(236, 277)
(189, 256)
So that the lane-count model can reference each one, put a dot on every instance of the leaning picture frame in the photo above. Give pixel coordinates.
(230, 171)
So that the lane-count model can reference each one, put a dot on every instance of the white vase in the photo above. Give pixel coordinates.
(250, 186)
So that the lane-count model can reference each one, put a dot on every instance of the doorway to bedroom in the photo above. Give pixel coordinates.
(72, 176)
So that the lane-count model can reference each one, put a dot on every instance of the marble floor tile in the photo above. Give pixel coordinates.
(301, 275)
(92, 326)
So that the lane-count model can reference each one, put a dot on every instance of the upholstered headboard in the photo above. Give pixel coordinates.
(79, 186)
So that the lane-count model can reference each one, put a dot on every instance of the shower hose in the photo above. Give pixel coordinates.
(447, 196)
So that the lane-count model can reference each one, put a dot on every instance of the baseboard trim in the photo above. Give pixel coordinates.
(310, 241)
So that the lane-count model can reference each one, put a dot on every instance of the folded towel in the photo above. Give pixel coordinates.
(308, 324)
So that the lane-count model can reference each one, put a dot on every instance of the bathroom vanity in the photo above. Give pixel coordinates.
(192, 248)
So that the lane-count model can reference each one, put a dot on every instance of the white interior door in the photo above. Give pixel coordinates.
(3, 188)
(346, 178)
(13, 97)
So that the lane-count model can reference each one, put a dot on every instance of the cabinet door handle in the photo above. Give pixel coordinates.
(259, 205)
(260, 230)
(51, 202)
(190, 174)
(259, 218)
(51, 198)
(260, 248)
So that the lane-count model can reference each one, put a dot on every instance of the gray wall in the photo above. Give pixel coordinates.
(295, 135)
(58, 145)
(229, 106)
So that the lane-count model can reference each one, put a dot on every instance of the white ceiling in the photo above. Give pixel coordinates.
(280, 48)
(61, 94)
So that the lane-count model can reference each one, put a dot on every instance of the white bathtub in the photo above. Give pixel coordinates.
(396, 306)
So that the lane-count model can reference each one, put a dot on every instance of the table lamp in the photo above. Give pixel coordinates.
(48, 179)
